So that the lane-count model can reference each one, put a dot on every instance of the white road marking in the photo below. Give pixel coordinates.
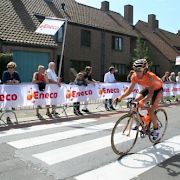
(29, 142)
(44, 127)
(132, 166)
(73, 151)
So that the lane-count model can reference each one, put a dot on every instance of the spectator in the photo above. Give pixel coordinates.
(129, 76)
(80, 81)
(172, 78)
(52, 79)
(178, 78)
(178, 81)
(40, 78)
(165, 78)
(10, 76)
(109, 78)
(89, 80)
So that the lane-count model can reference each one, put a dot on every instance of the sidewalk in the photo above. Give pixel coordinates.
(28, 116)
(25, 116)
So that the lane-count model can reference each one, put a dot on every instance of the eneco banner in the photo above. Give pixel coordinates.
(29, 95)
(50, 26)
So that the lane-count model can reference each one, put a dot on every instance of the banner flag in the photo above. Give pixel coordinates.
(50, 26)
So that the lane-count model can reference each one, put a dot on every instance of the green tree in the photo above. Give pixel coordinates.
(142, 51)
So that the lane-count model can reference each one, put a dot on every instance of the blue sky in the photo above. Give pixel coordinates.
(166, 11)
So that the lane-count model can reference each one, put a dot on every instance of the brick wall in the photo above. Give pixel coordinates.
(99, 39)
(159, 59)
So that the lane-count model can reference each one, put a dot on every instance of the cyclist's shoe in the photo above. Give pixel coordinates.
(155, 134)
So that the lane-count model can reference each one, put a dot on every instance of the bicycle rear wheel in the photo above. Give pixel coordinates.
(123, 138)
(162, 125)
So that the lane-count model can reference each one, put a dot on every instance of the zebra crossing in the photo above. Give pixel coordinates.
(133, 165)
(81, 149)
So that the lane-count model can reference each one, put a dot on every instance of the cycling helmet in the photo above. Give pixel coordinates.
(140, 64)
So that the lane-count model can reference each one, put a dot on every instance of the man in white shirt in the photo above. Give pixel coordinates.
(52, 79)
(51, 74)
(109, 78)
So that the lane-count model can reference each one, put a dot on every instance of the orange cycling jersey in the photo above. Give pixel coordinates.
(148, 80)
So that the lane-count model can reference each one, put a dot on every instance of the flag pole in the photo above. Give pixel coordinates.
(62, 50)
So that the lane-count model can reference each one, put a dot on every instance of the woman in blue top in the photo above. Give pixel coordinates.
(10, 76)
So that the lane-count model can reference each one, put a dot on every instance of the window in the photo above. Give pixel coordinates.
(85, 38)
(121, 69)
(156, 69)
(117, 43)
(58, 37)
(79, 65)
(60, 34)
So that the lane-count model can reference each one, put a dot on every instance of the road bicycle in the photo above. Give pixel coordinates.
(124, 136)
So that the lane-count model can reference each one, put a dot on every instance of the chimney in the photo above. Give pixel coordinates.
(157, 24)
(128, 14)
(105, 6)
(152, 22)
(178, 32)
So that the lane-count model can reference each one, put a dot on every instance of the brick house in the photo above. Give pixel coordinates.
(96, 37)
(17, 36)
(164, 45)
(101, 38)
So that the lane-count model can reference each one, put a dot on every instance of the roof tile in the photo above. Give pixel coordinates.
(18, 20)
(153, 37)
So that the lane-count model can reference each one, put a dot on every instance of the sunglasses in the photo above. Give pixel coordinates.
(10, 67)
(139, 70)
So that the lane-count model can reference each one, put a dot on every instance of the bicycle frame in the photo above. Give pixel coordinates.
(134, 112)
(127, 122)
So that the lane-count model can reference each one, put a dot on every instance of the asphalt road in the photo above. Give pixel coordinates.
(80, 149)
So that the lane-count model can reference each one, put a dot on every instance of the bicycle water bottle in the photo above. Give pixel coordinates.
(144, 116)
(146, 119)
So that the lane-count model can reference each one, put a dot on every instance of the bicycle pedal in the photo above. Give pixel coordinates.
(142, 134)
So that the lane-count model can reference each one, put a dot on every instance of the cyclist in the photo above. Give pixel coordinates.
(152, 90)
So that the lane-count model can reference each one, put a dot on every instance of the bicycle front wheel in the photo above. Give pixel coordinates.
(162, 121)
(123, 138)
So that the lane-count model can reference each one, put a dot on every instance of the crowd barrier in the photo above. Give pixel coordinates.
(23, 95)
